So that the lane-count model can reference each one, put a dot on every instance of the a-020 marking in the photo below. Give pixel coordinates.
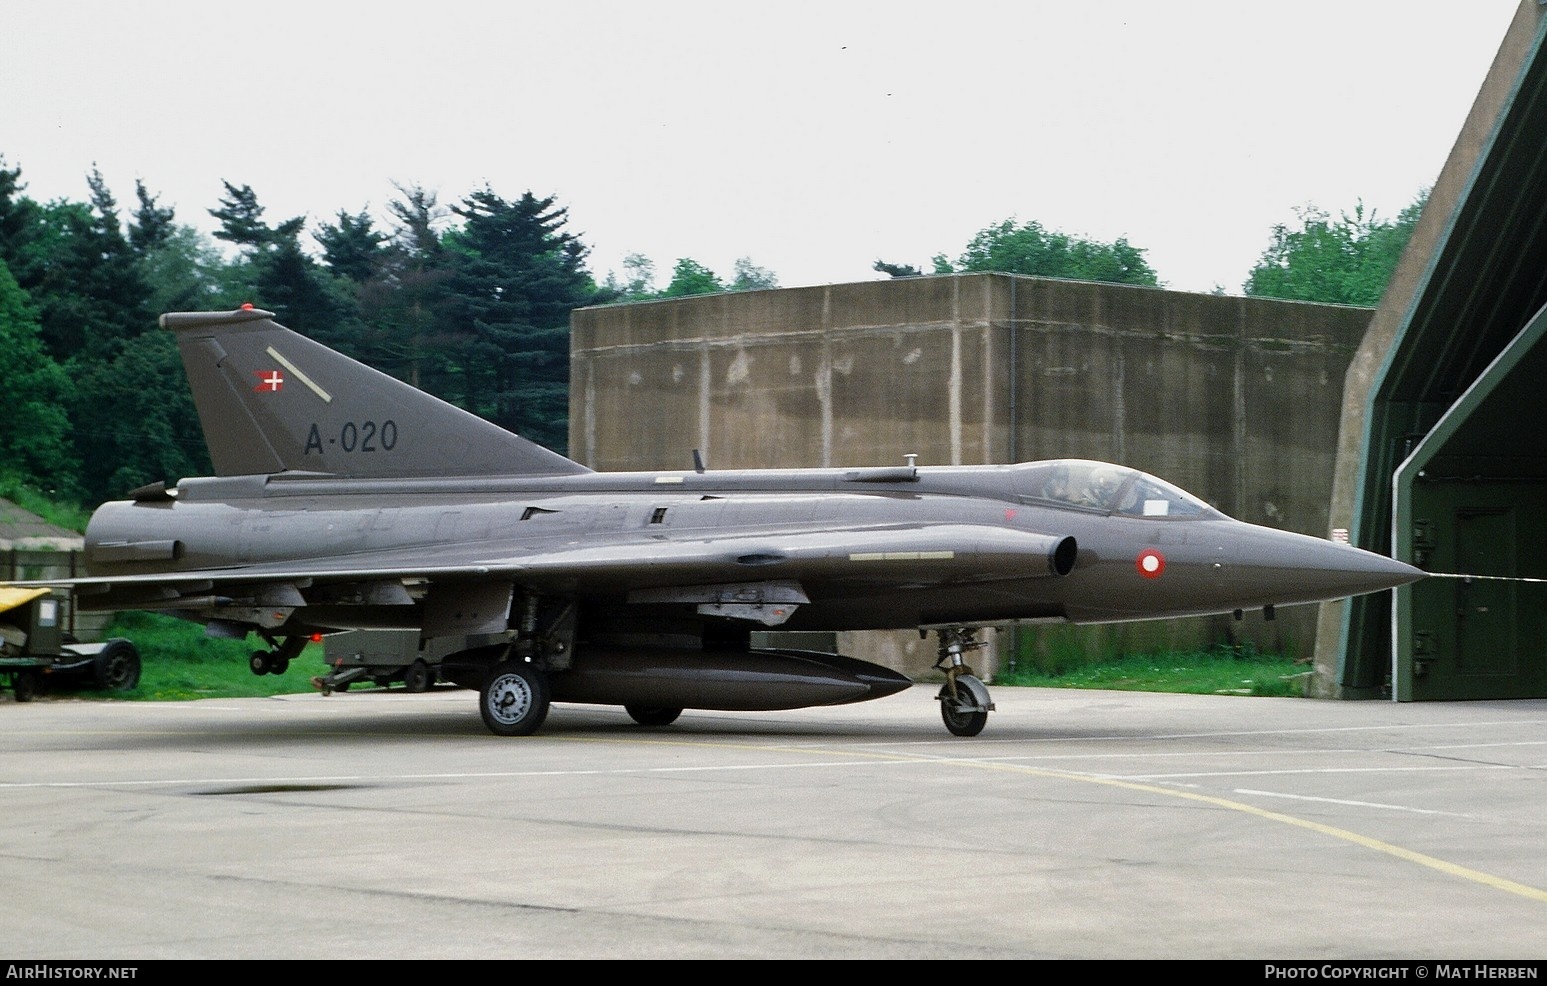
(367, 436)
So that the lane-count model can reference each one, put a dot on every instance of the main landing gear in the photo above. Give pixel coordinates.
(514, 695)
(964, 701)
(277, 659)
(514, 698)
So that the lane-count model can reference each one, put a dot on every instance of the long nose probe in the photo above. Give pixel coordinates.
(1482, 578)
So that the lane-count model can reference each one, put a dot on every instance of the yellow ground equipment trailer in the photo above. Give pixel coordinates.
(36, 653)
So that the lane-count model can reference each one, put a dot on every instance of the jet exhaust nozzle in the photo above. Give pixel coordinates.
(1060, 561)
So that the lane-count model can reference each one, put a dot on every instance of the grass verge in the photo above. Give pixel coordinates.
(1221, 670)
(179, 662)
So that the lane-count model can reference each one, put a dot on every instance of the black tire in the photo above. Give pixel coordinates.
(259, 662)
(960, 722)
(279, 665)
(28, 684)
(418, 677)
(647, 715)
(117, 667)
(514, 699)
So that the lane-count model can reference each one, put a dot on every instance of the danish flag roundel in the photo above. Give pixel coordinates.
(1150, 563)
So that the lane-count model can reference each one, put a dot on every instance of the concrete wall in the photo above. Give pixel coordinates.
(855, 374)
(1234, 399)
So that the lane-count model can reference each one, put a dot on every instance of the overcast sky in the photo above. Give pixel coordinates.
(812, 138)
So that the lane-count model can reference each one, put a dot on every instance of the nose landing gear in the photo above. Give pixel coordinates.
(964, 701)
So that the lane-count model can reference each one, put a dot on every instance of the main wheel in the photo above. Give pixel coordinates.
(259, 662)
(117, 667)
(960, 718)
(647, 715)
(27, 683)
(418, 677)
(514, 699)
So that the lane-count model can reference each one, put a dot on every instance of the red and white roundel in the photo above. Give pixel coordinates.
(1150, 563)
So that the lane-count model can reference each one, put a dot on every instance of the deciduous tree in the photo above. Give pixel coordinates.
(1028, 248)
(747, 276)
(1343, 261)
(34, 431)
(689, 277)
(897, 270)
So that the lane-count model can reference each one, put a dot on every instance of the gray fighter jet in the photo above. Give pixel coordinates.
(346, 499)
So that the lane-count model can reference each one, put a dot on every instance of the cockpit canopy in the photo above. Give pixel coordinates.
(1103, 487)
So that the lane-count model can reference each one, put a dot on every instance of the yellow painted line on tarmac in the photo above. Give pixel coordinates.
(1331, 831)
(1378, 845)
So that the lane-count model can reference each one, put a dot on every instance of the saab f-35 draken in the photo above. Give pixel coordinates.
(346, 499)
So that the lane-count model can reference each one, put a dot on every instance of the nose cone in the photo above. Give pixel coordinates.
(1279, 567)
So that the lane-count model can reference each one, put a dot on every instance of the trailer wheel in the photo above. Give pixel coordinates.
(418, 677)
(27, 685)
(117, 668)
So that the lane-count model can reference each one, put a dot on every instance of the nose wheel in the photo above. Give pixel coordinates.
(964, 701)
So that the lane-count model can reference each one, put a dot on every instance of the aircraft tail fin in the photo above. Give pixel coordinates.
(272, 400)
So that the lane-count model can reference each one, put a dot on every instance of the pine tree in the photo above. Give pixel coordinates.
(20, 218)
(353, 249)
(241, 219)
(152, 225)
(515, 276)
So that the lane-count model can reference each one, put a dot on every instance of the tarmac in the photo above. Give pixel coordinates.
(1079, 825)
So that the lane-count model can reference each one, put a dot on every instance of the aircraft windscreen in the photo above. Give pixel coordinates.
(1110, 489)
(1152, 497)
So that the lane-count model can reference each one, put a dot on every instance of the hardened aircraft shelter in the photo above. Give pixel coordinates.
(1442, 459)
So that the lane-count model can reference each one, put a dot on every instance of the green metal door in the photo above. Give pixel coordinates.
(1485, 608)
(1479, 637)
